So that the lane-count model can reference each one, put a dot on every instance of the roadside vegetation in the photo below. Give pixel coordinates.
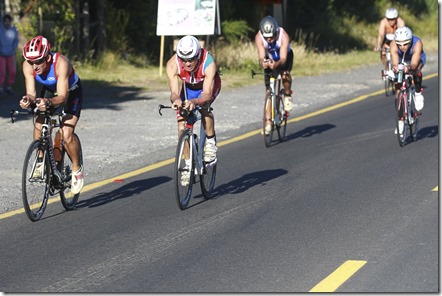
(236, 54)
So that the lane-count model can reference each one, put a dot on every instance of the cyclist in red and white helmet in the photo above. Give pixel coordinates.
(387, 27)
(60, 86)
(193, 75)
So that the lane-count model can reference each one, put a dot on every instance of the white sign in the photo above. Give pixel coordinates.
(186, 17)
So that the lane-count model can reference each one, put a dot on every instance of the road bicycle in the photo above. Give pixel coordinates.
(388, 83)
(47, 172)
(189, 159)
(405, 107)
(274, 104)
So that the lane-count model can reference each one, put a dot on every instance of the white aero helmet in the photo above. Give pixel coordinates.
(188, 48)
(403, 34)
(391, 13)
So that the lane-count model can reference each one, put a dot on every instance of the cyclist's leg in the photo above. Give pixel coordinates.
(287, 81)
(383, 56)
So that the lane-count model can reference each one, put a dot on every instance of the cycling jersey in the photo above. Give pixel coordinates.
(194, 80)
(49, 78)
(272, 49)
(409, 53)
(389, 33)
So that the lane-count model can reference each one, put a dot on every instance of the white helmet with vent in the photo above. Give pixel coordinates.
(391, 13)
(188, 48)
(403, 34)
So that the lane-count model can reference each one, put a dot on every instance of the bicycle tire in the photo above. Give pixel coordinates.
(68, 199)
(183, 191)
(208, 177)
(281, 118)
(414, 127)
(400, 111)
(268, 138)
(387, 86)
(35, 191)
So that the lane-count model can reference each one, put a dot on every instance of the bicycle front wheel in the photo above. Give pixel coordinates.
(414, 118)
(280, 118)
(401, 122)
(184, 170)
(268, 127)
(35, 181)
(207, 179)
(68, 199)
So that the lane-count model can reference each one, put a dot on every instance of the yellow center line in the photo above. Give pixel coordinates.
(435, 188)
(339, 276)
(222, 143)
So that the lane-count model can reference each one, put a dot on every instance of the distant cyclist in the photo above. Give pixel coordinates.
(387, 27)
(275, 55)
(410, 49)
(197, 68)
(61, 86)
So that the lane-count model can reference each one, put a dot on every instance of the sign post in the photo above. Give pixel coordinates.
(185, 17)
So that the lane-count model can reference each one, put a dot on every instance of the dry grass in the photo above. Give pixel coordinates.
(235, 62)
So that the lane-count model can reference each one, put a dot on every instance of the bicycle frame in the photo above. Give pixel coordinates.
(275, 83)
(405, 110)
(46, 141)
(195, 153)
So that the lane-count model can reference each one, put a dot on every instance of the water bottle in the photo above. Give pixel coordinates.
(57, 147)
(400, 75)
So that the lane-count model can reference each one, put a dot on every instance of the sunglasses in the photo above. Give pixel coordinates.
(403, 44)
(37, 62)
(189, 60)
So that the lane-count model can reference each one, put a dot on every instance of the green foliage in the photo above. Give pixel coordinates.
(116, 25)
(235, 31)
(58, 19)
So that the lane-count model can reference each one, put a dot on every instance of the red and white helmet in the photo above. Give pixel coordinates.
(36, 48)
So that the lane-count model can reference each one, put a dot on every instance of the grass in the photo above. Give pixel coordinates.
(235, 64)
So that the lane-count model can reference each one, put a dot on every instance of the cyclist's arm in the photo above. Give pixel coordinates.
(283, 51)
(381, 35)
(28, 73)
(63, 70)
(261, 50)
(400, 22)
(206, 94)
(208, 83)
(416, 57)
(174, 80)
(394, 56)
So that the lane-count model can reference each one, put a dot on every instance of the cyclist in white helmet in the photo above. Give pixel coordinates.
(410, 49)
(387, 27)
(275, 55)
(195, 67)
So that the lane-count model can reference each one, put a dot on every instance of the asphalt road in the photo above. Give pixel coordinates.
(283, 219)
(121, 130)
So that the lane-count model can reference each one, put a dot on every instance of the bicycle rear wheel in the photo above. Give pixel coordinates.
(207, 179)
(281, 118)
(184, 171)
(402, 131)
(268, 135)
(68, 199)
(35, 182)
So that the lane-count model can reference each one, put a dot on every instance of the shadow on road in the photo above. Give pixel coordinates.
(125, 191)
(428, 132)
(247, 181)
(310, 131)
